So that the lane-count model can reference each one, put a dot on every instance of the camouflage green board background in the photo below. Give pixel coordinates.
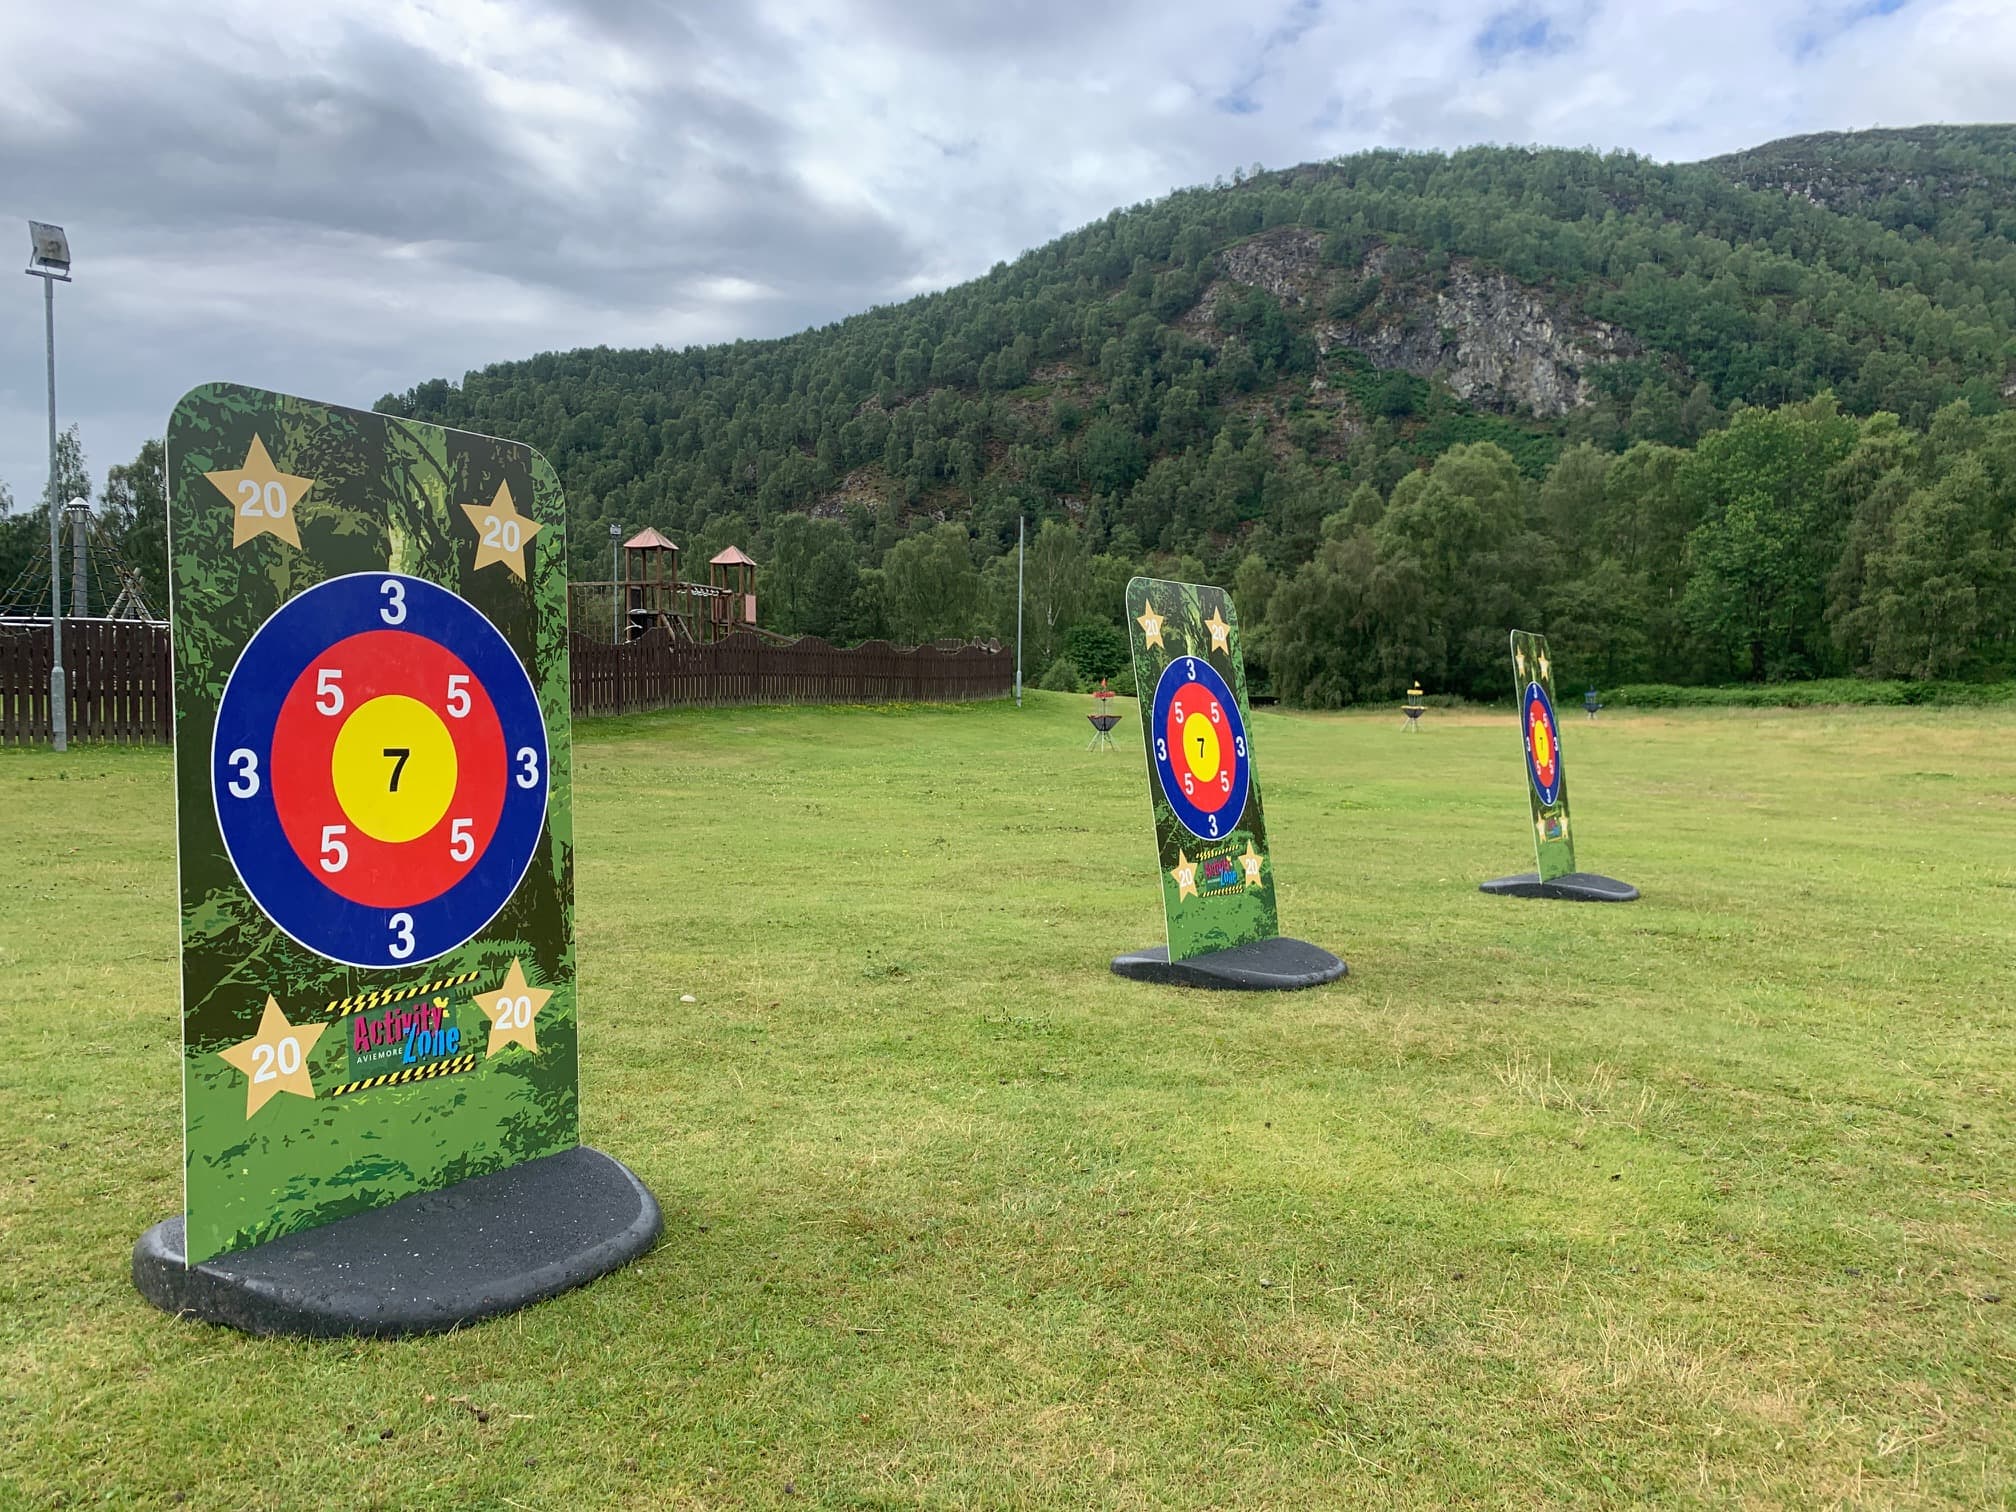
(1553, 837)
(380, 495)
(1168, 621)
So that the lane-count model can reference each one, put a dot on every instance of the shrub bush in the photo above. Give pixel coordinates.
(1062, 676)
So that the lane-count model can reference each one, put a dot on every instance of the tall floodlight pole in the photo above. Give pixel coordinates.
(49, 260)
(1020, 531)
(615, 589)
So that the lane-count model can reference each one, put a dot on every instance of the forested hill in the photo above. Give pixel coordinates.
(1957, 183)
(1401, 400)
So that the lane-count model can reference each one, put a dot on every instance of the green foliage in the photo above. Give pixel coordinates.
(133, 512)
(1449, 424)
(1767, 536)
(930, 588)
(1923, 586)
(1062, 676)
(73, 474)
(1097, 650)
(1056, 581)
(1819, 693)
(811, 580)
(23, 537)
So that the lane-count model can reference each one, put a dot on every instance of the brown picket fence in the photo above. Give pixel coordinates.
(120, 680)
(657, 672)
(117, 677)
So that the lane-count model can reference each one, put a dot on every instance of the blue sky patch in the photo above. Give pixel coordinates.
(1514, 31)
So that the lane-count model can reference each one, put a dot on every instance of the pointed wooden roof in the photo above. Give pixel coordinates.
(648, 539)
(732, 557)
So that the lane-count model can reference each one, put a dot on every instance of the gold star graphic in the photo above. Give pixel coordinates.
(502, 534)
(1185, 873)
(1221, 633)
(1251, 861)
(1543, 667)
(274, 1060)
(263, 498)
(1151, 625)
(511, 1010)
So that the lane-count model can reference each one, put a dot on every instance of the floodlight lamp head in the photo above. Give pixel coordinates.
(48, 250)
(615, 531)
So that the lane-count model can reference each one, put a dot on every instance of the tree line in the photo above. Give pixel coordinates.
(1794, 541)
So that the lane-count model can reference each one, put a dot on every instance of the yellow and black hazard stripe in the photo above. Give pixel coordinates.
(365, 1002)
(418, 1073)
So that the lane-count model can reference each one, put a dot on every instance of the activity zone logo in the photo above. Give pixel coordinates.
(402, 1038)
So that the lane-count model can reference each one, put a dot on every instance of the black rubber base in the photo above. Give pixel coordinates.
(424, 1264)
(1576, 887)
(1276, 965)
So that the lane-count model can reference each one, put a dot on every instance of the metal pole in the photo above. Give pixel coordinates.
(615, 591)
(1020, 530)
(59, 693)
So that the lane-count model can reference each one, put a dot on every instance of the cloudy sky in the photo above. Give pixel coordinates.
(341, 198)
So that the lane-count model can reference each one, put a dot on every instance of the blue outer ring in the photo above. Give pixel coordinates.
(1549, 796)
(292, 896)
(1188, 669)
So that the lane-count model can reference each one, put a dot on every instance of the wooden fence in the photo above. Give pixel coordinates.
(116, 675)
(120, 681)
(655, 672)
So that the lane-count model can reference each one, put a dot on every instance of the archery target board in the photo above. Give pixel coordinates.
(374, 810)
(1210, 833)
(1200, 756)
(1543, 744)
(404, 768)
(1546, 773)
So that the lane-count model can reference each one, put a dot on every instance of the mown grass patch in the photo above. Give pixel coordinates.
(1704, 1199)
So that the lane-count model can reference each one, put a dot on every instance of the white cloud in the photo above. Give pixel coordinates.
(342, 199)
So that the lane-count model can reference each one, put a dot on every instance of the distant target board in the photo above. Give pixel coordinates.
(1543, 744)
(372, 764)
(1210, 832)
(1547, 780)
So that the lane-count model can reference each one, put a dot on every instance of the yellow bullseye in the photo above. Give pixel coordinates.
(1200, 746)
(1543, 745)
(394, 768)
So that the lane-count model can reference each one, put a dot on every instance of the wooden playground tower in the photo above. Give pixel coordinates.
(654, 596)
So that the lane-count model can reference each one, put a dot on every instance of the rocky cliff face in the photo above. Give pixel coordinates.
(1286, 262)
(1496, 342)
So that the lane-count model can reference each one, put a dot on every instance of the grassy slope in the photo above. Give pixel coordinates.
(1695, 1199)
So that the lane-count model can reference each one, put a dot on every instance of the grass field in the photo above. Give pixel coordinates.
(1704, 1200)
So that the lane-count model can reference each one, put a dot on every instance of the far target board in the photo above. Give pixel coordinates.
(1546, 775)
(373, 756)
(1210, 833)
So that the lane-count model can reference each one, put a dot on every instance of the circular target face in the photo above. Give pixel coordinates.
(1543, 744)
(1200, 748)
(379, 769)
